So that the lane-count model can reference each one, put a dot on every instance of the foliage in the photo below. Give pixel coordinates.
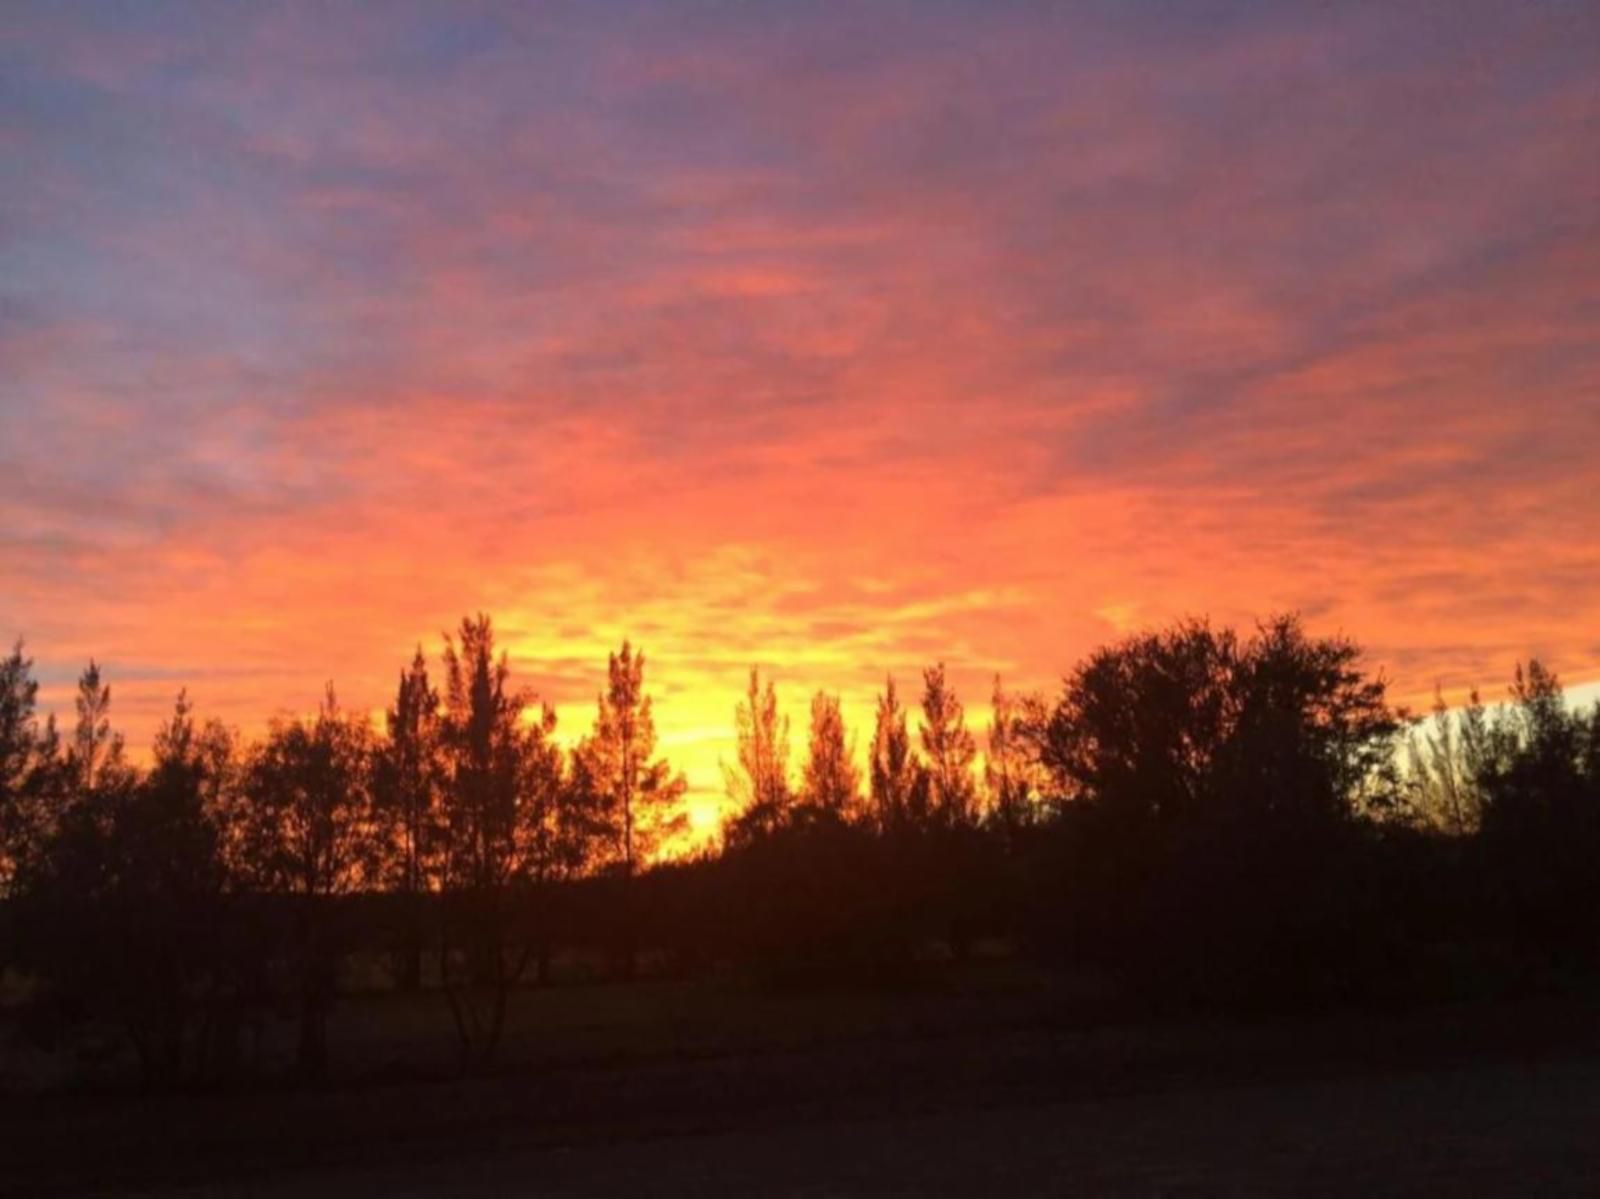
(895, 775)
(948, 750)
(759, 784)
(635, 795)
(305, 828)
(1210, 817)
(502, 790)
(832, 784)
(1012, 774)
(28, 767)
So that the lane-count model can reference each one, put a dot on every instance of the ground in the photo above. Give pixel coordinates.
(1503, 1130)
(992, 1084)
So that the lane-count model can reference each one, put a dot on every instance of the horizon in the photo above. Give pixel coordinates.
(708, 804)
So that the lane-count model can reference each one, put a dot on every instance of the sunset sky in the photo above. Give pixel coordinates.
(834, 339)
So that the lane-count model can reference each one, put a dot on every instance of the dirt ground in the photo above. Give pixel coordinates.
(980, 1090)
(1514, 1130)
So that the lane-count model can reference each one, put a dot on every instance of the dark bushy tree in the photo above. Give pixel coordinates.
(1192, 723)
(1539, 775)
(1213, 791)
(305, 830)
(126, 913)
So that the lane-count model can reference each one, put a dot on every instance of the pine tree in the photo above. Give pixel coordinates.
(29, 750)
(832, 779)
(501, 775)
(949, 750)
(631, 797)
(406, 792)
(94, 745)
(637, 797)
(759, 785)
(1010, 769)
(895, 783)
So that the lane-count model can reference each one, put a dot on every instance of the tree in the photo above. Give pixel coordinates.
(561, 830)
(637, 795)
(894, 772)
(1539, 775)
(94, 745)
(630, 797)
(1311, 736)
(1011, 771)
(1191, 722)
(948, 751)
(502, 774)
(406, 793)
(1214, 794)
(29, 750)
(1478, 744)
(832, 780)
(759, 786)
(306, 830)
(171, 836)
(1444, 786)
(127, 905)
(1139, 724)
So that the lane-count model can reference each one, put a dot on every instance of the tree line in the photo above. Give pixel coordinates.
(1200, 815)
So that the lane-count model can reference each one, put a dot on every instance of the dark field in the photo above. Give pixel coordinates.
(1485, 1130)
(986, 1083)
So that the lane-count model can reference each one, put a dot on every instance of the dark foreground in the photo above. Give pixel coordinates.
(1492, 1100)
(1496, 1130)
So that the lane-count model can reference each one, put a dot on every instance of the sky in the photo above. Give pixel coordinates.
(833, 339)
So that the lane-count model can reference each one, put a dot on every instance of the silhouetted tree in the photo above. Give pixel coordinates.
(565, 831)
(127, 912)
(832, 787)
(759, 784)
(1312, 735)
(1205, 813)
(948, 751)
(91, 781)
(1539, 774)
(1213, 794)
(406, 794)
(502, 776)
(634, 796)
(29, 778)
(894, 773)
(1011, 771)
(1140, 723)
(639, 796)
(1190, 721)
(306, 830)
(94, 744)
